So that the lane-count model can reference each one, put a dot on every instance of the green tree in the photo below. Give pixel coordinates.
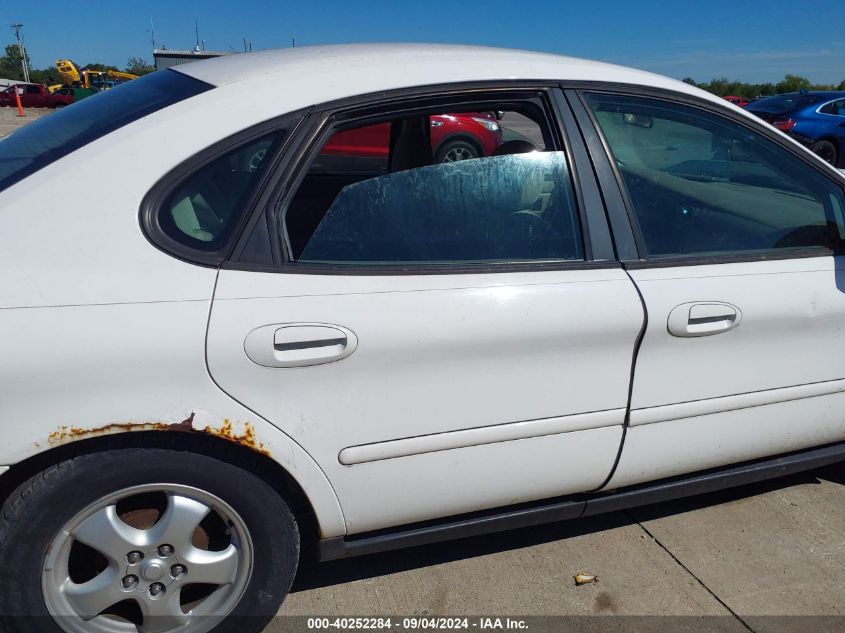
(690, 81)
(10, 63)
(138, 66)
(793, 83)
(841, 86)
(47, 76)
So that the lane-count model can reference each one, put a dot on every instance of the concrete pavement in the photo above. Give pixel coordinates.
(10, 121)
(773, 549)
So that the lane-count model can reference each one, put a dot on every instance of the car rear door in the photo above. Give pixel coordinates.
(738, 234)
(428, 388)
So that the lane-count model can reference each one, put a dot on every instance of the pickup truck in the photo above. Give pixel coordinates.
(34, 96)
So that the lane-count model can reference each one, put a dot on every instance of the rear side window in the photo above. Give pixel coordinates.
(702, 184)
(465, 187)
(206, 207)
(498, 209)
(836, 108)
(49, 138)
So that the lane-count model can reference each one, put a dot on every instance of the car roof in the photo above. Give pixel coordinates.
(393, 66)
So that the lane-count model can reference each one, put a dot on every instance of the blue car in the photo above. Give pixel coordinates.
(815, 119)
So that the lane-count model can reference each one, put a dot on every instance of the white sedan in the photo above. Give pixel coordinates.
(243, 307)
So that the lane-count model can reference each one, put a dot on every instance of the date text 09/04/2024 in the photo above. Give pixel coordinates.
(416, 623)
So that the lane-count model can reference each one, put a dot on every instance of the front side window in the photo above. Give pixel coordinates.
(485, 186)
(702, 184)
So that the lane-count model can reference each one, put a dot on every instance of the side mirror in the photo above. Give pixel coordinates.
(640, 120)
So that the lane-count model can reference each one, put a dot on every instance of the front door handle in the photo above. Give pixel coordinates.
(299, 344)
(703, 318)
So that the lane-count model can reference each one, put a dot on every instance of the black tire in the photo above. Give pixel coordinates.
(457, 149)
(39, 508)
(826, 150)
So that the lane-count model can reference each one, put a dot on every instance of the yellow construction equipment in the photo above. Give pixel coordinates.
(93, 79)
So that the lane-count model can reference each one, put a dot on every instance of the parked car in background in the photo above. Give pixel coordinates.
(815, 119)
(736, 100)
(236, 350)
(35, 96)
(456, 136)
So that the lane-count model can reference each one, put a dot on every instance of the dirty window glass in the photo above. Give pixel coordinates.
(495, 209)
(702, 184)
(205, 208)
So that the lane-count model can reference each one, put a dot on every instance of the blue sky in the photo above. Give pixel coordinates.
(751, 40)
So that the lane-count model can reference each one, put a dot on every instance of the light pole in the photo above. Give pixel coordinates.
(24, 65)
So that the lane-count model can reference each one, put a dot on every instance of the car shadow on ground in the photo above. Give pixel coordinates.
(313, 574)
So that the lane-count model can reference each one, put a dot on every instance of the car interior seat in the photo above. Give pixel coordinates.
(410, 144)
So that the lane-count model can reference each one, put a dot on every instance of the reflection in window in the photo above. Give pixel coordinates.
(700, 183)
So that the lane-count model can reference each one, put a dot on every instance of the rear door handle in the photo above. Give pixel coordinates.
(703, 318)
(299, 344)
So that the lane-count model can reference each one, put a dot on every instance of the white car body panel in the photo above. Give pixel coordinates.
(148, 373)
(772, 384)
(103, 329)
(452, 365)
(667, 449)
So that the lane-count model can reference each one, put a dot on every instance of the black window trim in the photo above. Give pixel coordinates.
(326, 118)
(153, 201)
(643, 260)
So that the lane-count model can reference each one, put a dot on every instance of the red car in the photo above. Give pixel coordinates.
(740, 101)
(34, 96)
(455, 136)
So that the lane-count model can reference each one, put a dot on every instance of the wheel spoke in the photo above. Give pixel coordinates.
(163, 614)
(179, 521)
(106, 533)
(89, 598)
(214, 568)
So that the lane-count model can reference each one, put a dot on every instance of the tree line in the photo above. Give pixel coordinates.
(11, 68)
(790, 83)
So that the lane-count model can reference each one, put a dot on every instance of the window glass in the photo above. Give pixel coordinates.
(47, 139)
(205, 208)
(702, 184)
(449, 188)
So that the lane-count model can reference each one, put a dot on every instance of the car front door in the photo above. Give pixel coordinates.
(738, 234)
(440, 338)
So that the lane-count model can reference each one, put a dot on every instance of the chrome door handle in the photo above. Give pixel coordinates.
(703, 318)
(299, 344)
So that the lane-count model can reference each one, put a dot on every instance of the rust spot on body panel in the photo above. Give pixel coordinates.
(227, 431)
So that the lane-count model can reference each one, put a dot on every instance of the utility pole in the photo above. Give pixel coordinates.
(152, 33)
(24, 65)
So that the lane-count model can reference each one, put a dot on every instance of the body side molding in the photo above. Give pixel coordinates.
(695, 408)
(479, 436)
(578, 506)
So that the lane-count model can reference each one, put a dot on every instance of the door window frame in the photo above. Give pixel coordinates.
(620, 208)
(325, 119)
(154, 203)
